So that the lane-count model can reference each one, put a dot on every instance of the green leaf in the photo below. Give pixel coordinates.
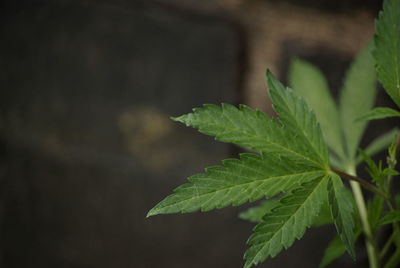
(286, 222)
(249, 178)
(311, 84)
(342, 209)
(335, 162)
(299, 120)
(334, 250)
(390, 217)
(379, 113)
(324, 216)
(375, 208)
(255, 214)
(379, 144)
(250, 129)
(387, 52)
(374, 170)
(243, 126)
(356, 99)
(293, 158)
(390, 172)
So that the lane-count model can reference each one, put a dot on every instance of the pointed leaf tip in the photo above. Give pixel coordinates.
(152, 212)
(174, 118)
(269, 75)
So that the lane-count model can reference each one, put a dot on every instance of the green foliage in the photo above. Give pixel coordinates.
(342, 210)
(376, 171)
(249, 178)
(375, 209)
(387, 52)
(324, 216)
(379, 113)
(311, 84)
(334, 250)
(292, 159)
(252, 130)
(286, 222)
(299, 120)
(379, 143)
(256, 214)
(338, 123)
(390, 217)
(356, 98)
(296, 156)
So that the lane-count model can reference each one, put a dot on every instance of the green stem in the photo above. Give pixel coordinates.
(364, 183)
(362, 209)
(386, 246)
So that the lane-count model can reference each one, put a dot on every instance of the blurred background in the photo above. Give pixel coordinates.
(86, 144)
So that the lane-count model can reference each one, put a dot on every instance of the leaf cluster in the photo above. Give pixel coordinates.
(297, 159)
(290, 168)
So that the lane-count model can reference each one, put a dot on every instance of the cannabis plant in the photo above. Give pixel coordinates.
(302, 156)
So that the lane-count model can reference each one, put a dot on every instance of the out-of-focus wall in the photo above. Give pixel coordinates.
(276, 31)
(87, 144)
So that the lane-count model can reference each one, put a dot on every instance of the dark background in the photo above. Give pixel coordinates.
(86, 144)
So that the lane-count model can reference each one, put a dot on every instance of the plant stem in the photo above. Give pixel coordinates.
(386, 246)
(369, 241)
(364, 183)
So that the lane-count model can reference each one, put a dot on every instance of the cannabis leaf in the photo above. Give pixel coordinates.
(356, 99)
(299, 120)
(342, 210)
(251, 129)
(379, 143)
(387, 52)
(256, 214)
(292, 152)
(311, 84)
(334, 250)
(390, 217)
(341, 132)
(286, 222)
(375, 209)
(291, 161)
(249, 179)
(289, 168)
(324, 216)
(379, 113)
